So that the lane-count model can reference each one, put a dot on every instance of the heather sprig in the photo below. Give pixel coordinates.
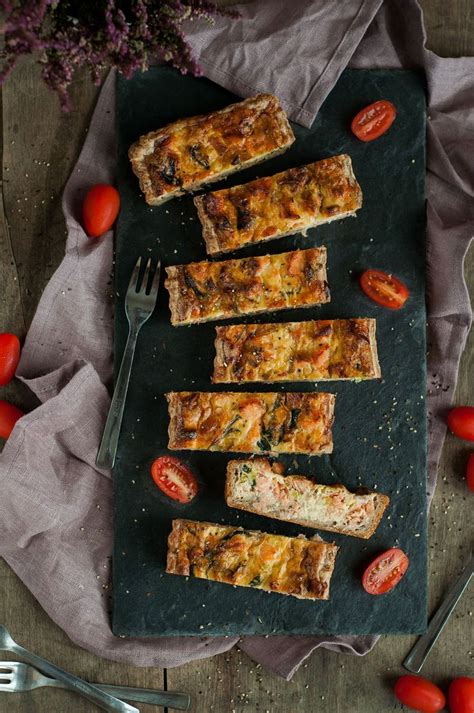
(66, 35)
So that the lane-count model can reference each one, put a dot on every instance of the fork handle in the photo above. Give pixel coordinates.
(167, 699)
(108, 446)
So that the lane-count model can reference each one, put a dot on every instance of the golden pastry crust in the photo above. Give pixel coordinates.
(203, 291)
(182, 156)
(251, 422)
(319, 350)
(286, 203)
(256, 486)
(293, 566)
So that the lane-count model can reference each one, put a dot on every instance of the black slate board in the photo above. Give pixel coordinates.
(379, 432)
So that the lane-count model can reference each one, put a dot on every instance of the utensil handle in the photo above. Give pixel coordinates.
(419, 653)
(93, 694)
(167, 699)
(108, 446)
(180, 701)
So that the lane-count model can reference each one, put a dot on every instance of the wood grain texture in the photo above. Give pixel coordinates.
(32, 234)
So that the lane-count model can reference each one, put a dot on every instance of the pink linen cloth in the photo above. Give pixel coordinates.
(56, 506)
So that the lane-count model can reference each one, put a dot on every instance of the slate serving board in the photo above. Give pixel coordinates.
(379, 431)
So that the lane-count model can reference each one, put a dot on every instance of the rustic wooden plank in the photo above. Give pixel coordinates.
(41, 145)
(231, 681)
(450, 27)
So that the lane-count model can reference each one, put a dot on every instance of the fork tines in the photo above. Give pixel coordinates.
(148, 284)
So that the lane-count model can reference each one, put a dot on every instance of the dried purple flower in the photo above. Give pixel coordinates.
(66, 35)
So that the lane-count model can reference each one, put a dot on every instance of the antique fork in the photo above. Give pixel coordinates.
(93, 694)
(140, 302)
(16, 677)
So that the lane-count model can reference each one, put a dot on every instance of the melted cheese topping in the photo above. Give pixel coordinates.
(202, 291)
(192, 151)
(297, 351)
(285, 203)
(253, 485)
(248, 558)
(251, 422)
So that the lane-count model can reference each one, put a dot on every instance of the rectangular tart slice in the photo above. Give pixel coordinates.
(319, 350)
(251, 422)
(271, 207)
(184, 155)
(254, 485)
(295, 566)
(203, 291)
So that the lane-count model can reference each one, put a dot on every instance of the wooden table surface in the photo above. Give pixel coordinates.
(40, 146)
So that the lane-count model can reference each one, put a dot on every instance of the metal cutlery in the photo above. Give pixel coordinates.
(16, 677)
(140, 302)
(93, 694)
(419, 653)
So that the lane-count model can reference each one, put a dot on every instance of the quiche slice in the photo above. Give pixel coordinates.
(318, 350)
(184, 155)
(274, 206)
(295, 566)
(257, 486)
(203, 291)
(251, 422)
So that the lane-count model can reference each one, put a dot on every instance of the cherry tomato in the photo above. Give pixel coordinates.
(9, 415)
(383, 288)
(100, 209)
(9, 357)
(461, 422)
(461, 695)
(385, 571)
(420, 694)
(470, 472)
(174, 478)
(374, 120)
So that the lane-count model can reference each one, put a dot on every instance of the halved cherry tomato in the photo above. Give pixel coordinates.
(461, 695)
(9, 415)
(9, 357)
(420, 694)
(383, 288)
(470, 472)
(374, 120)
(100, 209)
(461, 422)
(385, 572)
(174, 478)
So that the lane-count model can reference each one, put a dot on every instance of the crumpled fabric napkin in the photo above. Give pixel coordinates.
(55, 510)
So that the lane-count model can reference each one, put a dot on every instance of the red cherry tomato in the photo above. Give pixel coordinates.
(9, 415)
(9, 357)
(100, 209)
(461, 695)
(374, 120)
(419, 694)
(470, 472)
(385, 571)
(461, 422)
(384, 289)
(174, 478)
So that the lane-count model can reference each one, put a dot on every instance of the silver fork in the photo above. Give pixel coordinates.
(16, 677)
(93, 694)
(139, 305)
